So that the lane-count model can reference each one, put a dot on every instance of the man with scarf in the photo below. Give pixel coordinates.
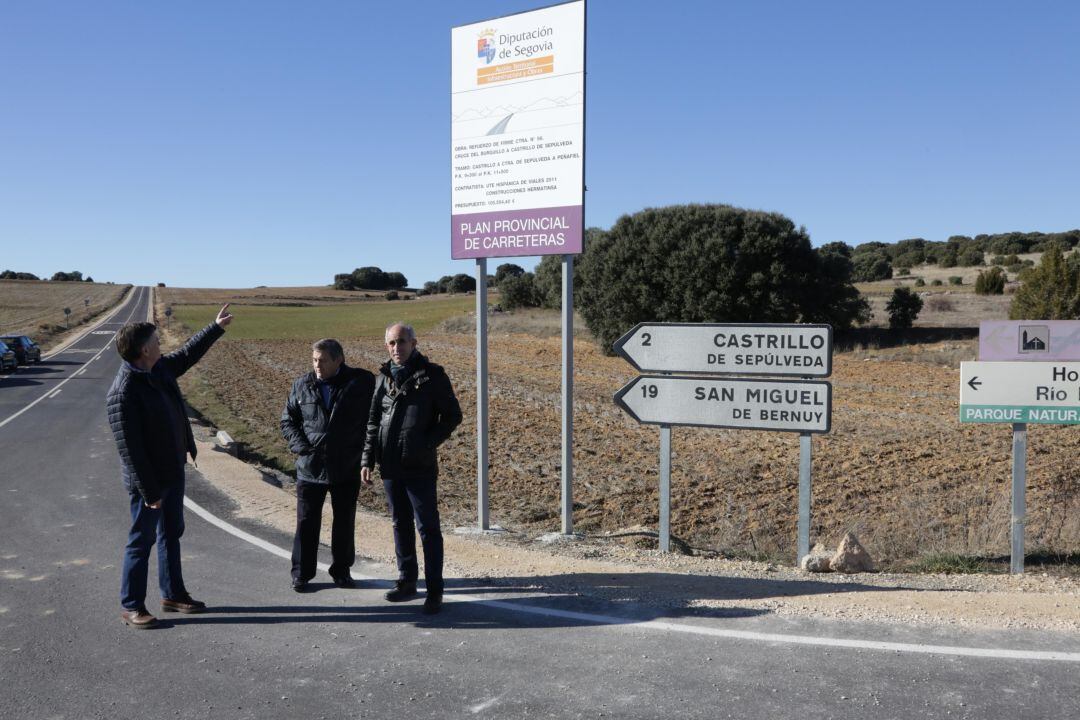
(414, 410)
(324, 422)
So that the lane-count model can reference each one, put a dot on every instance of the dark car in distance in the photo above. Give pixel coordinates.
(26, 350)
(7, 358)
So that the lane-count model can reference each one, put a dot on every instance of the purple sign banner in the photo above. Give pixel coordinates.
(514, 233)
(1031, 340)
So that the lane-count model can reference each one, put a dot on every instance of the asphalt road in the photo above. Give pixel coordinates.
(265, 652)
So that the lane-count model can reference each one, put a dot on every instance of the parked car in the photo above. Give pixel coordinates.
(7, 358)
(26, 350)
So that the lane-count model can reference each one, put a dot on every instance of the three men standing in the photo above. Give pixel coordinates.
(324, 422)
(414, 410)
(153, 436)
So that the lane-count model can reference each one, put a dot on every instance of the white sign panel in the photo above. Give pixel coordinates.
(1038, 340)
(517, 155)
(732, 348)
(1020, 392)
(791, 405)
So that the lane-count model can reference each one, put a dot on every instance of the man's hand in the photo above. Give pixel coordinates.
(224, 317)
(365, 475)
(156, 505)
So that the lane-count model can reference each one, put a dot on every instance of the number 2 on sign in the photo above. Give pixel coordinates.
(649, 391)
(646, 340)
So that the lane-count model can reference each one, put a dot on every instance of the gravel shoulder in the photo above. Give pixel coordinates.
(607, 569)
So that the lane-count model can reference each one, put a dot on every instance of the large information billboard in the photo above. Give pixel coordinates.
(517, 156)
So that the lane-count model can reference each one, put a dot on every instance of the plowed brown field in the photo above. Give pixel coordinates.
(898, 468)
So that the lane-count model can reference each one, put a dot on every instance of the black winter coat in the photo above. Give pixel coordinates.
(142, 423)
(329, 445)
(408, 423)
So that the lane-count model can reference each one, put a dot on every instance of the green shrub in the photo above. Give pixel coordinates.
(970, 257)
(919, 282)
(712, 263)
(956, 280)
(870, 266)
(392, 295)
(990, 282)
(903, 307)
(936, 283)
(1049, 291)
(518, 291)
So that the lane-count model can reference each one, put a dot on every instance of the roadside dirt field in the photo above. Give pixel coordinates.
(36, 308)
(898, 468)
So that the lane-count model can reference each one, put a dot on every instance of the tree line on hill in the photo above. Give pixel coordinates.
(370, 278)
(73, 276)
(880, 261)
(717, 263)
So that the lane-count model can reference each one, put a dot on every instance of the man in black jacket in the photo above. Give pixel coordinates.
(149, 423)
(413, 412)
(323, 422)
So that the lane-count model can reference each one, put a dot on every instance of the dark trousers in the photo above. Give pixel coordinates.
(309, 504)
(164, 526)
(409, 499)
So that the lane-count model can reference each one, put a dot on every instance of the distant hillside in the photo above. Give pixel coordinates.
(879, 260)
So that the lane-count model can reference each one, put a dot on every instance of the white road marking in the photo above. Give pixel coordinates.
(54, 391)
(57, 391)
(996, 653)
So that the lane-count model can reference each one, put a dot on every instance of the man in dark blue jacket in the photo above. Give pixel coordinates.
(414, 410)
(149, 422)
(324, 422)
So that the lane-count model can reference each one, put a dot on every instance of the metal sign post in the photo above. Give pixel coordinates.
(568, 394)
(804, 496)
(665, 488)
(803, 406)
(1018, 393)
(517, 168)
(1019, 510)
(481, 395)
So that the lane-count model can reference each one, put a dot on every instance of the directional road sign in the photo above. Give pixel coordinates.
(1020, 392)
(731, 349)
(792, 405)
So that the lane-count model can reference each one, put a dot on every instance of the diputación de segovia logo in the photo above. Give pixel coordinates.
(485, 46)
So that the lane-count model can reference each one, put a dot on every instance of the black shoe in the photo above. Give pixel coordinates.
(402, 591)
(300, 586)
(344, 581)
(432, 603)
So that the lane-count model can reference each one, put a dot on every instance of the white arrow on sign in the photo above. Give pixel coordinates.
(729, 348)
(1020, 392)
(789, 405)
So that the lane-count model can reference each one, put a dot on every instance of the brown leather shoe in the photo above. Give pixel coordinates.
(187, 605)
(138, 618)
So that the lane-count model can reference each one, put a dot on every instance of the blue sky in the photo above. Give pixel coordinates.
(242, 143)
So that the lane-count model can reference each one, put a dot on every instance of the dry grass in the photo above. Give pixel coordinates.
(929, 273)
(36, 307)
(946, 307)
(534, 321)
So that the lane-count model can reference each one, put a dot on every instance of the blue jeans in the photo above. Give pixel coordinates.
(147, 525)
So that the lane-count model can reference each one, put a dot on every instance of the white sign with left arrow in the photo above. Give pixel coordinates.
(729, 348)
(1020, 392)
(791, 405)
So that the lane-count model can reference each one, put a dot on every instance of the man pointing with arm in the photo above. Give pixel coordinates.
(153, 436)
